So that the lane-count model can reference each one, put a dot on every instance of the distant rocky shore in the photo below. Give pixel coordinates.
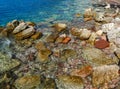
(74, 55)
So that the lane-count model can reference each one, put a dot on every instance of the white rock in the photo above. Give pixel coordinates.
(20, 28)
(107, 27)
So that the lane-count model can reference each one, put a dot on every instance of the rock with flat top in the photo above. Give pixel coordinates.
(95, 57)
(28, 82)
(69, 82)
(22, 26)
(25, 33)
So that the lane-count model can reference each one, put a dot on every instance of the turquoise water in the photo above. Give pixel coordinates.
(41, 10)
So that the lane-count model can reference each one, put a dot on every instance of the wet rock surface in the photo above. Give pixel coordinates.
(28, 82)
(72, 55)
(102, 74)
(6, 63)
(96, 57)
(69, 82)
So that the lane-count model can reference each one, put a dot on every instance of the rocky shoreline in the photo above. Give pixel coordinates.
(79, 55)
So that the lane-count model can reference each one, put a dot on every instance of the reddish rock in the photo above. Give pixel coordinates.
(83, 72)
(66, 40)
(101, 44)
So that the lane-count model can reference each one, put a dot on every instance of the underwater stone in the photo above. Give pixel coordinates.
(28, 82)
(69, 82)
(43, 55)
(95, 57)
(68, 53)
(6, 63)
(60, 26)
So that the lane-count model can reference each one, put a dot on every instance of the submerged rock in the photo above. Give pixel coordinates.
(69, 82)
(60, 27)
(40, 45)
(1, 28)
(43, 55)
(104, 74)
(4, 44)
(52, 37)
(67, 53)
(89, 13)
(6, 63)
(28, 82)
(49, 84)
(96, 57)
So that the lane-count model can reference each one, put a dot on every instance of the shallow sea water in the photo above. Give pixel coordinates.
(41, 10)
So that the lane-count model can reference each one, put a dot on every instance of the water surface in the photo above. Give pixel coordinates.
(41, 10)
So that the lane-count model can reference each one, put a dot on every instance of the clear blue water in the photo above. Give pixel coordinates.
(41, 10)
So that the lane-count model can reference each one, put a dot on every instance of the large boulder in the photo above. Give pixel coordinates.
(25, 33)
(69, 82)
(96, 57)
(1, 28)
(52, 37)
(88, 13)
(28, 82)
(102, 2)
(22, 26)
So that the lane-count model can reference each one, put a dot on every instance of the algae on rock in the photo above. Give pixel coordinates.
(6, 63)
